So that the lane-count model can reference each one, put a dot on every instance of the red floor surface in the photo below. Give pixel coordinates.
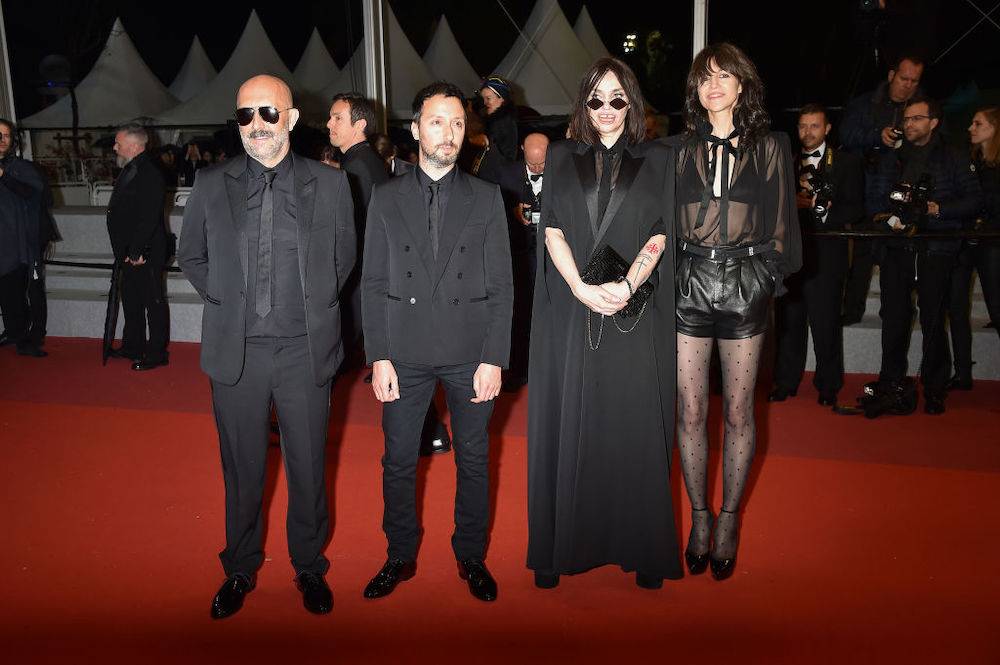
(862, 542)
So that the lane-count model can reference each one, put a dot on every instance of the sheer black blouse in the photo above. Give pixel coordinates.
(760, 202)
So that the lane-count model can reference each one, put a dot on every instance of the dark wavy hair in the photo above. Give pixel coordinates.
(582, 129)
(749, 115)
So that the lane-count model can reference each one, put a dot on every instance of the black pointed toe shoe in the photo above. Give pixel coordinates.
(392, 573)
(481, 583)
(316, 595)
(722, 568)
(546, 580)
(696, 563)
(229, 599)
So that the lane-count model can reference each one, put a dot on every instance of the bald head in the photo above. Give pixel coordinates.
(267, 143)
(534, 147)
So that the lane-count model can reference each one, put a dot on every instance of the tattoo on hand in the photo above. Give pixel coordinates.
(653, 248)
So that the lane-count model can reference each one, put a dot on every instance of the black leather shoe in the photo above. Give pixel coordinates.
(440, 444)
(722, 568)
(229, 600)
(316, 595)
(644, 581)
(393, 572)
(934, 404)
(827, 399)
(780, 394)
(144, 364)
(481, 583)
(6, 339)
(961, 381)
(30, 350)
(124, 354)
(696, 563)
(546, 580)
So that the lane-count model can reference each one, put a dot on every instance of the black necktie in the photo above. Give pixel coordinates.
(807, 155)
(535, 177)
(434, 215)
(604, 190)
(262, 292)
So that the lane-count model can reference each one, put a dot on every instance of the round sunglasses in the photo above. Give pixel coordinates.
(596, 104)
(268, 114)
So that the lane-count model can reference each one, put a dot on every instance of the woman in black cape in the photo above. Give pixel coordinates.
(601, 402)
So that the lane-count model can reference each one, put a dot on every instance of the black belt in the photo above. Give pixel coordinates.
(723, 253)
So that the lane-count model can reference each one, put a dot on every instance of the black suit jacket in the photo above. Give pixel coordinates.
(447, 311)
(213, 253)
(826, 255)
(135, 212)
(364, 169)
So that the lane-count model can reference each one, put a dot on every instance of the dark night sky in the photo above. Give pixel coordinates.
(805, 51)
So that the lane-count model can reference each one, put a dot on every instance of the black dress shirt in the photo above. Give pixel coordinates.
(287, 317)
(607, 177)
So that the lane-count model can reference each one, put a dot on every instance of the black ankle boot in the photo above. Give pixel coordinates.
(722, 568)
(697, 562)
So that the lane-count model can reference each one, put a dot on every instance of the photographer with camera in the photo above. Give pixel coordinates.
(926, 185)
(829, 197)
(872, 125)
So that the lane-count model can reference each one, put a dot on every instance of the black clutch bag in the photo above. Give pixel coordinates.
(607, 265)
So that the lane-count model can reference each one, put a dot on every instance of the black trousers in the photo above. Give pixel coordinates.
(897, 269)
(523, 261)
(812, 302)
(859, 279)
(984, 258)
(401, 423)
(276, 370)
(142, 298)
(38, 306)
(14, 303)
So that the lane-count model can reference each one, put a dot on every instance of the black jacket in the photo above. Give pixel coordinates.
(450, 310)
(135, 212)
(364, 169)
(864, 119)
(213, 253)
(989, 181)
(501, 128)
(828, 255)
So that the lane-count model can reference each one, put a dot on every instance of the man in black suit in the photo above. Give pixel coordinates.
(815, 292)
(268, 240)
(139, 241)
(522, 188)
(437, 298)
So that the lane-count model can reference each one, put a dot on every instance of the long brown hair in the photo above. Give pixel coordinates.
(989, 151)
(580, 126)
(749, 115)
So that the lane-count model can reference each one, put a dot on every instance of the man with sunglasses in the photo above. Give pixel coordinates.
(268, 240)
(954, 199)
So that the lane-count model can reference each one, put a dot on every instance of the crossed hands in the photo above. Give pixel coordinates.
(607, 299)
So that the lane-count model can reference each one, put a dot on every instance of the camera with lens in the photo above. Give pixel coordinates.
(535, 212)
(822, 189)
(909, 200)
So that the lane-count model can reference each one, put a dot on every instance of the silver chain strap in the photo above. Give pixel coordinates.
(614, 319)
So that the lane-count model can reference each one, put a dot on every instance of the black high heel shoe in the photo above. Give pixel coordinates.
(722, 568)
(697, 563)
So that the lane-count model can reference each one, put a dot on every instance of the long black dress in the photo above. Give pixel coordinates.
(601, 422)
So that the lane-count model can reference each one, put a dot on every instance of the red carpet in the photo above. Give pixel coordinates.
(863, 541)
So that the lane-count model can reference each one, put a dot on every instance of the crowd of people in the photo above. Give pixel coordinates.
(605, 270)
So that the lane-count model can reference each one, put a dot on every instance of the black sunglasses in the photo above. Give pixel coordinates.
(268, 114)
(596, 104)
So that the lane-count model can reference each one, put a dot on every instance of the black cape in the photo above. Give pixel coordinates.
(601, 423)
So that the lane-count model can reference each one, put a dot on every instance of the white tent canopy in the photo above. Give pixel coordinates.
(587, 34)
(119, 88)
(546, 62)
(316, 68)
(407, 73)
(254, 54)
(445, 60)
(195, 73)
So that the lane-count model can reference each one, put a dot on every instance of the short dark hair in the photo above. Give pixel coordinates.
(933, 106)
(915, 58)
(437, 88)
(10, 125)
(361, 109)
(813, 107)
(580, 126)
(136, 131)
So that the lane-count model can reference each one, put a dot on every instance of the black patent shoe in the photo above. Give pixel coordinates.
(229, 599)
(435, 446)
(147, 364)
(481, 583)
(392, 573)
(780, 394)
(722, 568)
(697, 563)
(827, 399)
(644, 581)
(546, 580)
(316, 595)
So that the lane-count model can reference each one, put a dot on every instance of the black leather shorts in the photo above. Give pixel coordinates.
(725, 299)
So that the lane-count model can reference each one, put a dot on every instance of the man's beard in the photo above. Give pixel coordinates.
(436, 158)
(122, 161)
(280, 139)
